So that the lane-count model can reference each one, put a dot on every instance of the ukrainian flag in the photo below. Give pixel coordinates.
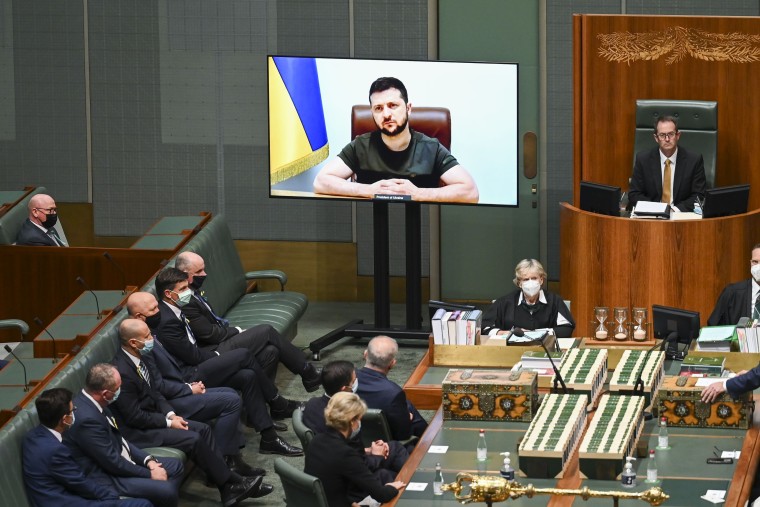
(297, 132)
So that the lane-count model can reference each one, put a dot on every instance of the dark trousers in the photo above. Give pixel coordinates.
(163, 493)
(197, 442)
(217, 403)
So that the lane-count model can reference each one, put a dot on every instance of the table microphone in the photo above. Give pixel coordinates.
(638, 386)
(10, 351)
(121, 271)
(87, 288)
(557, 375)
(38, 321)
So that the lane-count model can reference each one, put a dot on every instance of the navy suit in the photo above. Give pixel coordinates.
(31, 235)
(743, 383)
(52, 477)
(733, 304)
(233, 368)
(96, 445)
(141, 412)
(379, 392)
(220, 403)
(688, 181)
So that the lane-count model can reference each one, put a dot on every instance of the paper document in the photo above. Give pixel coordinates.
(650, 207)
(706, 381)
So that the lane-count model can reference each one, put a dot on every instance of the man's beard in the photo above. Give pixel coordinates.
(398, 130)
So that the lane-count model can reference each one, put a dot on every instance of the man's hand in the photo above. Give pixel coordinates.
(713, 391)
(397, 484)
(157, 472)
(198, 388)
(379, 448)
(178, 423)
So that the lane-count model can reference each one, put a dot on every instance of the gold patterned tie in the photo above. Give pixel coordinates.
(666, 182)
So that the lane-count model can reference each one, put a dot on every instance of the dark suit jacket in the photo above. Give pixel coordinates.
(31, 235)
(53, 478)
(140, 407)
(96, 445)
(379, 392)
(172, 334)
(733, 304)
(207, 330)
(744, 383)
(338, 465)
(688, 183)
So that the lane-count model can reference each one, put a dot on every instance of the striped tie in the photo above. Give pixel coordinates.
(756, 309)
(143, 370)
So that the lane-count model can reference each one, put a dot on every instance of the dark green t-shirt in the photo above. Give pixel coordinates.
(423, 162)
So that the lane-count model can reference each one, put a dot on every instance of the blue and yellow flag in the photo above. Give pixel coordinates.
(297, 132)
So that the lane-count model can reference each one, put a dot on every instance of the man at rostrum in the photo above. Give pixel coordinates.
(739, 299)
(103, 453)
(215, 333)
(51, 476)
(394, 159)
(668, 173)
(148, 420)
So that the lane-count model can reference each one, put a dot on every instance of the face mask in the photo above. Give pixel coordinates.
(183, 297)
(755, 270)
(50, 221)
(355, 386)
(73, 418)
(530, 287)
(198, 281)
(115, 395)
(148, 346)
(154, 320)
(355, 432)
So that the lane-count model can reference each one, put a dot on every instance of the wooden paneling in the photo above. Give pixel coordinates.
(609, 261)
(606, 94)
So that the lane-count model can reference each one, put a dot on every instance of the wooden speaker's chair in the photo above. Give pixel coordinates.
(301, 489)
(697, 122)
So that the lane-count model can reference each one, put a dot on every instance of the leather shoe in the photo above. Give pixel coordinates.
(279, 426)
(240, 467)
(264, 490)
(312, 378)
(279, 446)
(286, 411)
(233, 494)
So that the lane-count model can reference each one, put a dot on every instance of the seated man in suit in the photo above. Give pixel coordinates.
(215, 333)
(739, 299)
(382, 457)
(379, 392)
(103, 453)
(38, 229)
(235, 368)
(148, 420)
(51, 476)
(668, 173)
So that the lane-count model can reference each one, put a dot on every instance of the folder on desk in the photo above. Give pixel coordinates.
(649, 209)
(716, 338)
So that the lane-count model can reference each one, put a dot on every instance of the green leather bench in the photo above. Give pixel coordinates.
(226, 284)
(13, 219)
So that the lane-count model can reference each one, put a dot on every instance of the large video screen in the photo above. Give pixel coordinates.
(397, 156)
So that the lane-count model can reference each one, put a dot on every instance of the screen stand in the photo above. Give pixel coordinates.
(413, 328)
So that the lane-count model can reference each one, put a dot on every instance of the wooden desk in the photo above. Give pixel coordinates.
(683, 472)
(611, 261)
(13, 397)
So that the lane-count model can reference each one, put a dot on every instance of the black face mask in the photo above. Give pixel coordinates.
(154, 320)
(50, 221)
(198, 281)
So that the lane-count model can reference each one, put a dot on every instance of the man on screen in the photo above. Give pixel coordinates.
(668, 173)
(396, 160)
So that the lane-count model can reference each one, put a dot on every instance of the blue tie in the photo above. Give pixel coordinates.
(219, 320)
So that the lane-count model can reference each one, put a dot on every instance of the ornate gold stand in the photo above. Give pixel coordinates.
(490, 489)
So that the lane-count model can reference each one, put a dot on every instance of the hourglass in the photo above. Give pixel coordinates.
(621, 331)
(600, 314)
(640, 317)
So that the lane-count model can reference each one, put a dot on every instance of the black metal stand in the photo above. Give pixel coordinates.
(413, 328)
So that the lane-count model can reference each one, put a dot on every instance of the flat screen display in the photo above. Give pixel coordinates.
(311, 103)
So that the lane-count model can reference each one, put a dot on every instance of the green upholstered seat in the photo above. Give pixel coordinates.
(301, 489)
(304, 433)
(13, 219)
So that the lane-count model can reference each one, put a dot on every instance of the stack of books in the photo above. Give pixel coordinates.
(718, 339)
(748, 337)
(460, 327)
(537, 360)
(703, 366)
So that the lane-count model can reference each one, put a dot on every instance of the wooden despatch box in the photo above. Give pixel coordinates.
(490, 395)
(679, 402)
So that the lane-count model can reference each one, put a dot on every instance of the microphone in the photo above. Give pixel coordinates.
(87, 288)
(123, 275)
(557, 375)
(10, 351)
(38, 321)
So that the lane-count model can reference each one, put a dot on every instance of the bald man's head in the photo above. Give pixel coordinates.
(195, 267)
(42, 210)
(144, 306)
(133, 329)
(381, 353)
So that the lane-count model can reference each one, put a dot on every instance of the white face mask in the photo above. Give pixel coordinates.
(755, 270)
(73, 418)
(530, 287)
(356, 431)
(355, 386)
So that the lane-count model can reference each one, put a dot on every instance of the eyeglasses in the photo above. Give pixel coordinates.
(48, 211)
(72, 410)
(667, 135)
